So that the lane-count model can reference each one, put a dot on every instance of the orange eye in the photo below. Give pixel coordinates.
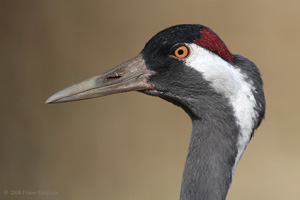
(182, 52)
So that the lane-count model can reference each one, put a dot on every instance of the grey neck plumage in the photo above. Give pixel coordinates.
(210, 161)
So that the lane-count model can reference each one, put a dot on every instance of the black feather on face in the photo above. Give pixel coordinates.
(173, 80)
(163, 42)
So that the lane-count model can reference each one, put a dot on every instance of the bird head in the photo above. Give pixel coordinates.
(188, 65)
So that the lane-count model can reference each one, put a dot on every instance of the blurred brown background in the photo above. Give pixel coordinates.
(132, 146)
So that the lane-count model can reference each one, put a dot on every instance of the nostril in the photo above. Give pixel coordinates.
(113, 76)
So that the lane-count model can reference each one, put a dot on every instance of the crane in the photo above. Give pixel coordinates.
(191, 67)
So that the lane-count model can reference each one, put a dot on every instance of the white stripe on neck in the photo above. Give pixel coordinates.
(230, 82)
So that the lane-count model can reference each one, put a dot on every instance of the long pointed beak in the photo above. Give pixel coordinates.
(130, 76)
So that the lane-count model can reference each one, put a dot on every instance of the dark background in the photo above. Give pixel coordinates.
(131, 146)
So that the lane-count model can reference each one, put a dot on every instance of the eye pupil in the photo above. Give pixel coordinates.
(180, 52)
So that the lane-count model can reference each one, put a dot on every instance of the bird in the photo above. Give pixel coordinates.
(190, 66)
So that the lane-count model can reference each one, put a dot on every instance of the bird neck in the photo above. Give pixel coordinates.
(211, 159)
